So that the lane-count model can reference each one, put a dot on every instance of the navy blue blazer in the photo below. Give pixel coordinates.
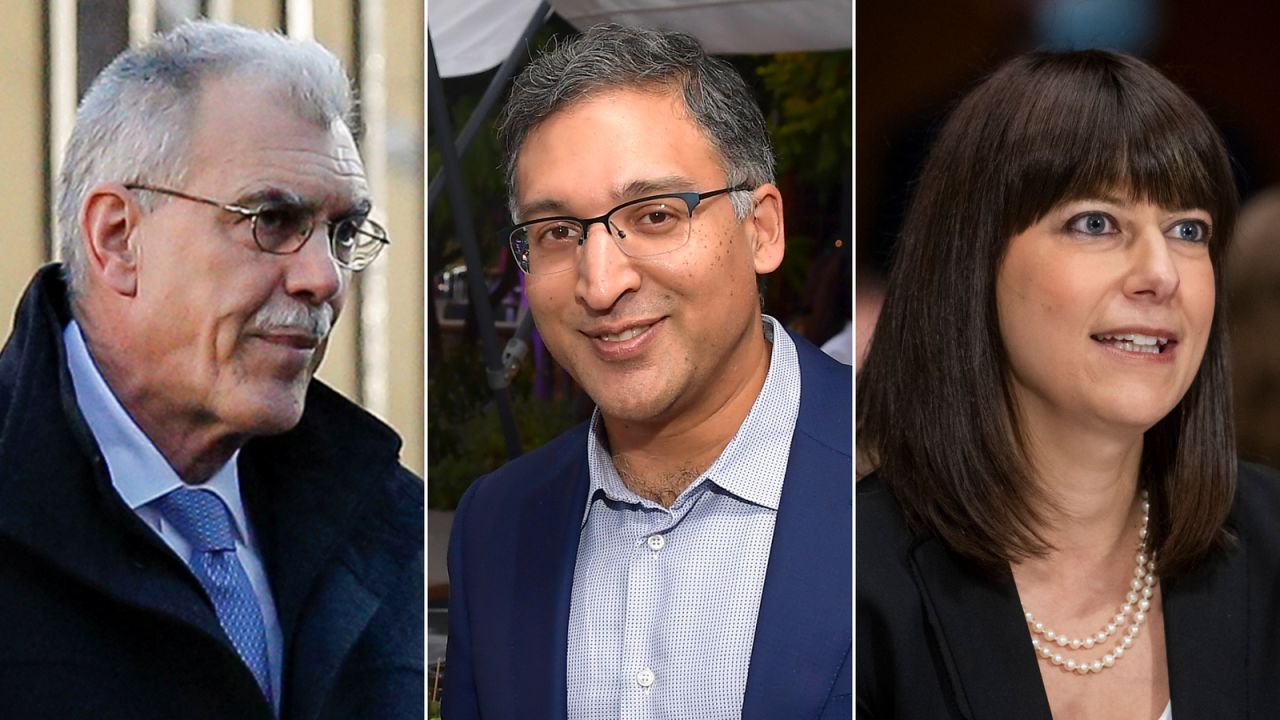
(515, 541)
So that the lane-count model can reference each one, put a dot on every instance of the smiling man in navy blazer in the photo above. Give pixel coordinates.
(686, 553)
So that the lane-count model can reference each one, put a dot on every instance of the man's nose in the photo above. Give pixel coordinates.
(312, 273)
(605, 273)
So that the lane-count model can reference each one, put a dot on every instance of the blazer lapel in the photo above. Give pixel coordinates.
(548, 551)
(804, 630)
(970, 617)
(1207, 638)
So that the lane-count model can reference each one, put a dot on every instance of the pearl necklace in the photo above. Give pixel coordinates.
(1133, 612)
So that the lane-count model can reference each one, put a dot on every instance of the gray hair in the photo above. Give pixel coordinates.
(135, 122)
(612, 56)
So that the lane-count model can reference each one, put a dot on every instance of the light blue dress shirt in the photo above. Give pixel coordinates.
(664, 601)
(141, 474)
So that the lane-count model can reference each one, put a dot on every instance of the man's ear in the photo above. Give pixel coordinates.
(770, 236)
(108, 224)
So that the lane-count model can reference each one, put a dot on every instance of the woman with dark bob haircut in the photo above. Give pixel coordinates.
(1056, 524)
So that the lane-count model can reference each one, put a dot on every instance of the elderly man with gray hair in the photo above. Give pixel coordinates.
(190, 526)
(686, 553)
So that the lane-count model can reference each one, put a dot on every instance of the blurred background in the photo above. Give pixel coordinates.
(54, 49)
(916, 59)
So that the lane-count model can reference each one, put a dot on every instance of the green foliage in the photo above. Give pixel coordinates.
(810, 106)
(464, 432)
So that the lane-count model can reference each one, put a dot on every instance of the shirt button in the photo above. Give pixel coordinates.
(656, 542)
(645, 678)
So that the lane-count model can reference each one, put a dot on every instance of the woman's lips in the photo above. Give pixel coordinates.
(1155, 347)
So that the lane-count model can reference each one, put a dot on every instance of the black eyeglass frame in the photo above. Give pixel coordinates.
(691, 199)
(380, 234)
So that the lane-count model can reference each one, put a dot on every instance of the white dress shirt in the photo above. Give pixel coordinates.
(140, 474)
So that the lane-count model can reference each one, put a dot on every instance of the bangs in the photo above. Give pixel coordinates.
(1093, 125)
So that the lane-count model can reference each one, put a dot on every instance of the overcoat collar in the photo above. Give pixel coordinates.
(319, 493)
(56, 499)
(543, 581)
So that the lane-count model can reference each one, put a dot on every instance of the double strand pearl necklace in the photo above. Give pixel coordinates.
(1133, 612)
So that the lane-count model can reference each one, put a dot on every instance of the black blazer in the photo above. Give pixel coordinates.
(937, 639)
(98, 617)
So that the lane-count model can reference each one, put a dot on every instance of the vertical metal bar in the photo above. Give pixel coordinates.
(220, 10)
(476, 285)
(63, 95)
(299, 19)
(374, 347)
(142, 21)
(497, 88)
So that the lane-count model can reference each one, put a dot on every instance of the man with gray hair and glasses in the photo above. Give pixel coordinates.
(686, 553)
(190, 526)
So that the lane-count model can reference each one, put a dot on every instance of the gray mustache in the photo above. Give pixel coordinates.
(293, 316)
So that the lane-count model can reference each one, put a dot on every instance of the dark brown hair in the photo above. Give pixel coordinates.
(935, 412)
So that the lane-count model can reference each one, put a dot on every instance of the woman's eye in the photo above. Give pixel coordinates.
(1092, 223)
(1196, 231)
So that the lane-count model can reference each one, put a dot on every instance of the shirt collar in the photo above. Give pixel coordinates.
(139, 472)
(753, 464)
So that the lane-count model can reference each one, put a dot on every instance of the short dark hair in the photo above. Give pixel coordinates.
(935, 410)
(612, 56)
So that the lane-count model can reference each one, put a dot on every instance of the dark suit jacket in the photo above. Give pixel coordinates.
(515, 541)
(98, 617)
(937, 639)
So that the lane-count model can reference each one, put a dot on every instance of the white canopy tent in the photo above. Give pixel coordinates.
(471, 36)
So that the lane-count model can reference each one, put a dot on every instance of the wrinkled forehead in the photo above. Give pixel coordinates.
(248, 136)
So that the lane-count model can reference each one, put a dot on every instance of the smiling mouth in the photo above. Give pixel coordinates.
(1135, 342)
(623, 335)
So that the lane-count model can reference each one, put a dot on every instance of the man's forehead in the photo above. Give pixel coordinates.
(266, 146)
(619, 192)
(615, 144)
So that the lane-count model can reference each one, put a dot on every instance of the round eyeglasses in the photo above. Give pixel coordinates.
(641, 228)
(282, 228)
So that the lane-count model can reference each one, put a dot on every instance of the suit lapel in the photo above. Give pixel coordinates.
(804, 629)
(547, 552)
(1207, 638)
(971, 616)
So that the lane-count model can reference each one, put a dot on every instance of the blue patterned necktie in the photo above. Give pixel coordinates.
(202, 518)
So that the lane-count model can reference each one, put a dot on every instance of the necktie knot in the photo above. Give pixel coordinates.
(201, 517)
